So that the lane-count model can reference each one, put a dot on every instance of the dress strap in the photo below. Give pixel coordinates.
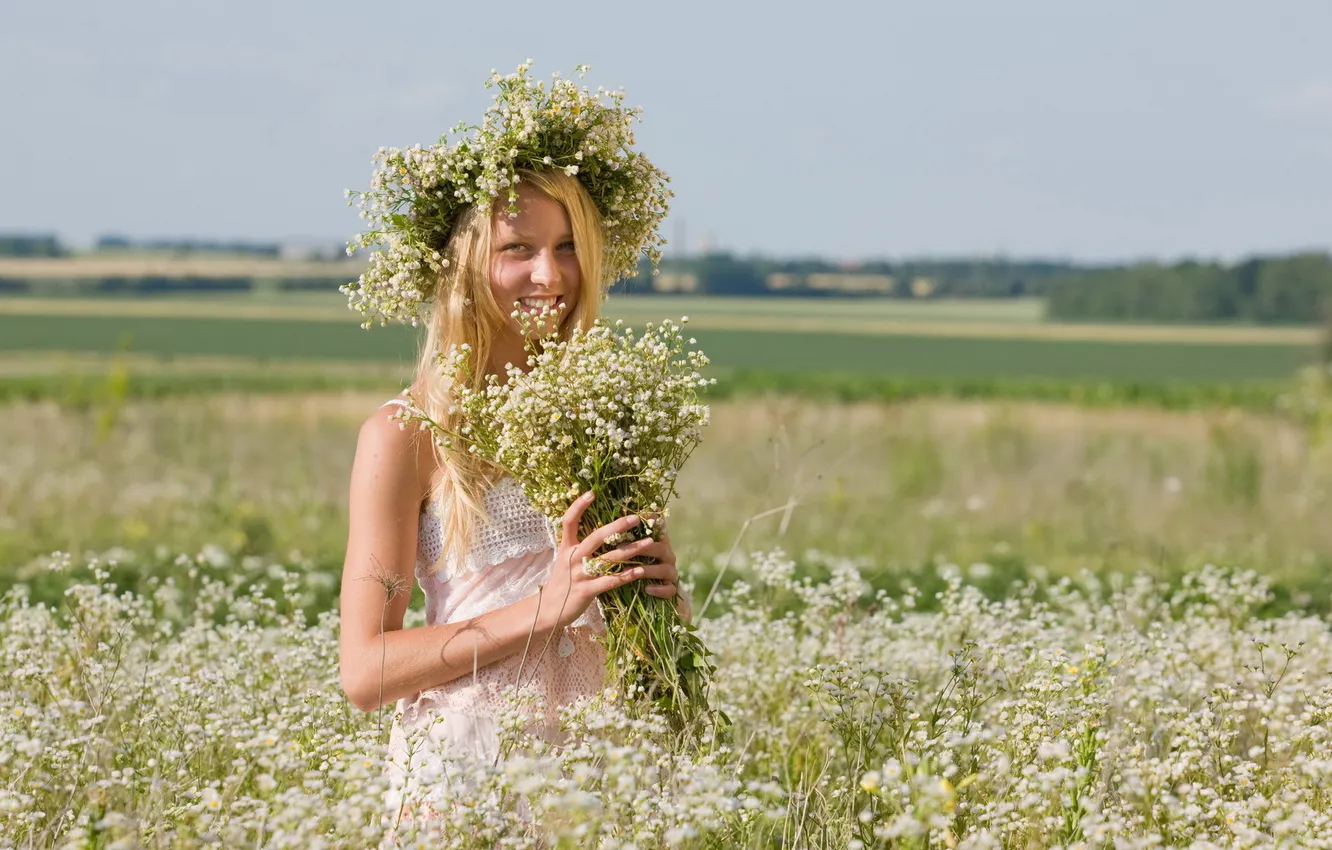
(407, 409)
(397, 400)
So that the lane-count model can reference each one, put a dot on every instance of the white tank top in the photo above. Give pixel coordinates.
(509, 557)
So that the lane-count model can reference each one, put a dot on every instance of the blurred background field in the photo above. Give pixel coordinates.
(883, 338)
(1022, 490)
(904, 432)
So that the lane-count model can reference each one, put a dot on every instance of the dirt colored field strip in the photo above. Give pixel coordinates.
(132, 266)
(1007, 310)
(39, 363)
(175, 308)
(636, 309)
(258, 311)
(1009, 330)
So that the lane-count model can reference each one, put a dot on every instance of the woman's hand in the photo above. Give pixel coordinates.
(571, 589)
(667, 583)
(660, 558)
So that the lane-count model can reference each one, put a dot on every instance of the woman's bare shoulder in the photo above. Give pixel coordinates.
(396, 450)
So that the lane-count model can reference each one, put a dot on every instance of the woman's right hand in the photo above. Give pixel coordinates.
(570, 590)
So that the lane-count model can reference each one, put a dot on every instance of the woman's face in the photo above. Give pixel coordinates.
(533, 260)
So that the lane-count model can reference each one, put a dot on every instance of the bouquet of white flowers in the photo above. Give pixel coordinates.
(616, 413)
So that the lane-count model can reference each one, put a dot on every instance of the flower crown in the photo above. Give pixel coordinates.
(416, 195)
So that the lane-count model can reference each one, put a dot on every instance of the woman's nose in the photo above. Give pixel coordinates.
(544, 269)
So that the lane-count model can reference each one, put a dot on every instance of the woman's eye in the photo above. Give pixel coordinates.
(567, 246)
(515, 246)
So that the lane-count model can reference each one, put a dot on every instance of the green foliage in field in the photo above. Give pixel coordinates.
(82, 391)
(1173, 395)
(86, 389)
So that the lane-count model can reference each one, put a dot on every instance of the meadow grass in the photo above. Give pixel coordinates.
(79, 380)
(1028, 489)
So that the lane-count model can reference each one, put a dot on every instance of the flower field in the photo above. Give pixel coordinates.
(998, 627)
(1072, 714)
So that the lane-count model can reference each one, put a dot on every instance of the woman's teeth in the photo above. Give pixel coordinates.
(538, 303)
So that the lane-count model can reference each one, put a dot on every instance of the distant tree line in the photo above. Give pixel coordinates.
(726, 274)
(47, 245)
(189, 246)
(148, 285)
(1294, 289)
(22, 245)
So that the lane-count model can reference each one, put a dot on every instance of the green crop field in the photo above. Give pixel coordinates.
(987, 319)
(889, 354)
(969, 357)
(886, 338)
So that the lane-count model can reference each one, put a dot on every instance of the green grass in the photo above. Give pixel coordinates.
(771, 351)
(1256, 396)
(82, 387)
(196, 336)
(941, 356)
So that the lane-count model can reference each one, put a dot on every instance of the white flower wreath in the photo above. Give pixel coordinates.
(417, 194)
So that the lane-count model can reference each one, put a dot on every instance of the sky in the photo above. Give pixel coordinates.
(851, 131)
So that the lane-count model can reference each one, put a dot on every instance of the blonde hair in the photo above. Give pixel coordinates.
(465, 311)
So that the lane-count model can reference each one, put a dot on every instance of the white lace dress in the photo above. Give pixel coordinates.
(510, 555)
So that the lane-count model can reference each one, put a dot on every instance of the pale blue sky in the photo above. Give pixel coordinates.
(848, 130)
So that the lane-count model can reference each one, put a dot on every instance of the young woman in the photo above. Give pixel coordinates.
(506, 604)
